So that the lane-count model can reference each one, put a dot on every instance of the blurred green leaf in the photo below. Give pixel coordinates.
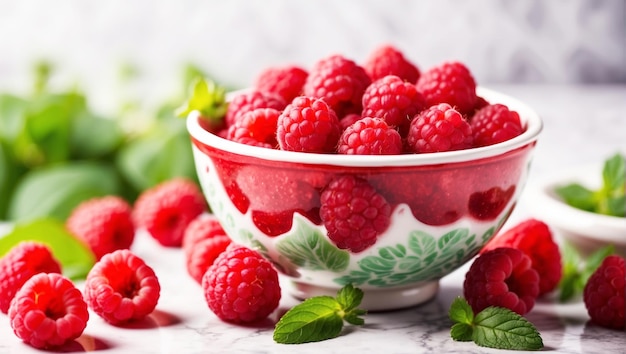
(164, 153)
(12, 110)
(75, 257)
(10, 173)
(54, 191)
(94, 137)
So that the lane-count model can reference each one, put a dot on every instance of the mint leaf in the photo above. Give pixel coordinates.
(319, 318)
(75, 257)
(578, 196)
(577, 270)
(614, 173)
(493, 327)
(208, 98)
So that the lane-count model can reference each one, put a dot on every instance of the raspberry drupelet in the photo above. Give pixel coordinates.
(105, 224)
(241, 286)
(23, 261)
(48, 311)
(121, 288)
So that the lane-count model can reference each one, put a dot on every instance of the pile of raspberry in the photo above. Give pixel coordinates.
(383, 106)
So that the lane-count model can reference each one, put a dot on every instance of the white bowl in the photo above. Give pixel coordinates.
(587, 231)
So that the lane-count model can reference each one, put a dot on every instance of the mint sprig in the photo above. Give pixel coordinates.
(208, 98)
(577, 269)
(320, 317)
(493, 327)
(609, 199)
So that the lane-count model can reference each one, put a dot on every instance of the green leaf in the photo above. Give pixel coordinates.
(461, 332)
(498, 327)
(614, 173)
(56, 190)
(313, 320)
(321, 317)
(208, 98)
(308, 248)
(94, 137)
(576, 270)
(75, 257)
(10, 173)
(578, 196)
(461, 311)
(12, 110)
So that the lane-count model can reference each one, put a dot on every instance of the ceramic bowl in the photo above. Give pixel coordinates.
(444, 208)
(586, 231)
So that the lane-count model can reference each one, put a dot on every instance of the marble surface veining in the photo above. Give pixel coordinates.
(583, 124)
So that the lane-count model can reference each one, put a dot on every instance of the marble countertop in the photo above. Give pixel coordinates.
(583, 124)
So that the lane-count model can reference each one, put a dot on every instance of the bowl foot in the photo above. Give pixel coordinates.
(385, 299)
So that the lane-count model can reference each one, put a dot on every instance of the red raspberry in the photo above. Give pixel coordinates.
(166, 209)
(451, 83)
(105, 224)
(340, 82)
(604, 294)
(388, 60)
(203, 254)
(534, 238)
(121, 288)
(392, 99)
(201, 228)
(439, 128)
(370, 136)
(308, 125)
(494, 124)
(249, 100)
(348, 120)
(241, 286)
(354, 213)
(285, 81)
(48, 311)
(256, 127)
(502, 277)
(24, 260)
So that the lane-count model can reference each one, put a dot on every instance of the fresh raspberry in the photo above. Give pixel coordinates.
(121, 288)
(451, 83)
(370, 136)
(285, 81)
(494, 124)
(308, 125)
(392, 99)
(105, 224)
(439, 128)
(24, 260)
(348, 120)
(354, 213)
(203, 254)
(48, 311)
(166, 209)
(502, 277)
(201, 228)
(241, 286)
(256, 127)
(604, 294)
(340, 82)
(249, 100)
(534, 238)
(388, 60)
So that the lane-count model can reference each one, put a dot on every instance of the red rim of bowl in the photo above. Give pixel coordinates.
(528, 116)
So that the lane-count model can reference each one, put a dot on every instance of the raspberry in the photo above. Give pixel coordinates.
(48, 311)
(494, 124)
(370, 136)
(121, 288)
(348, 120)
(256, 127)
(285, 81)
(308, 125)
(203, 254)
(166, 209)
(502, 277)
(241, 286)
(392, 99)
(250, 100)
(534, 238)
(105, 224)
(388, 60)
(439, 128)
(604, 294)
(451, 83)
(24, 260)
(201, 228)
(354, 213)
(340, 82)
